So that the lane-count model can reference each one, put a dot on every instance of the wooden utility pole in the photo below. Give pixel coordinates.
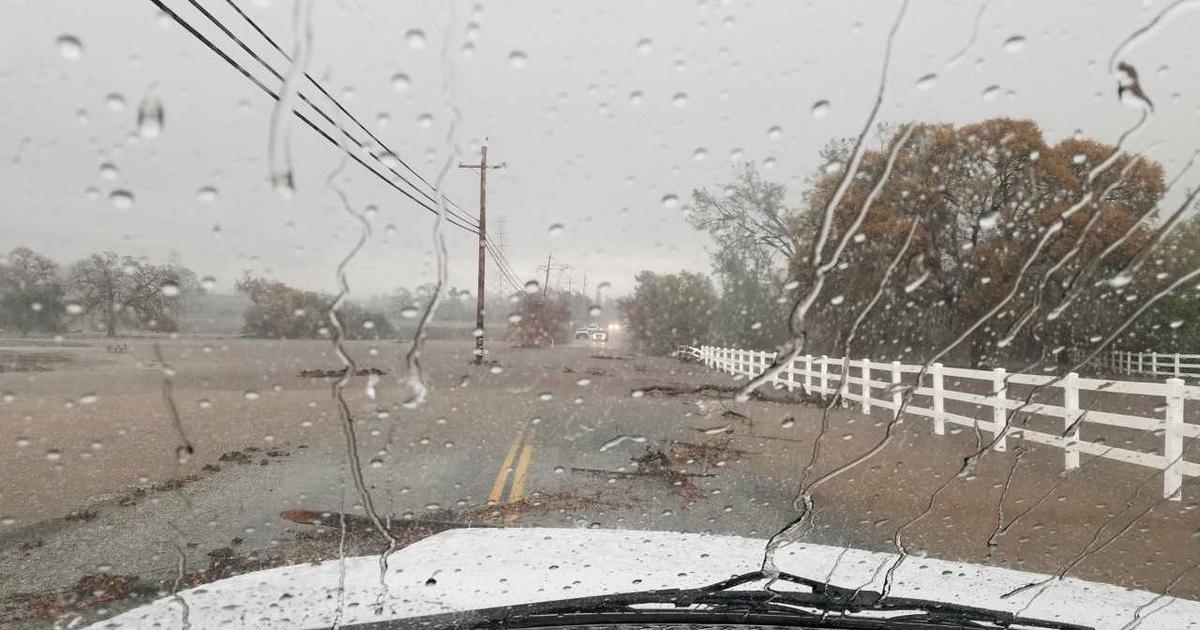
(559, 268)
(479, 294)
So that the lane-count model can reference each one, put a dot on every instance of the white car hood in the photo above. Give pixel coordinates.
(481, 568)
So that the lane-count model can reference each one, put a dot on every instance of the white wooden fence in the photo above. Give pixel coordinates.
(873, 383)
(1154, 363)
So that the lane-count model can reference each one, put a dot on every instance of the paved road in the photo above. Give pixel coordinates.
(542, 437)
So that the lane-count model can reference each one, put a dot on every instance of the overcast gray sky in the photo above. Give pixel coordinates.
(580, 151)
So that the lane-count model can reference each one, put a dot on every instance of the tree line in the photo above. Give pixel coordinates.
(108, 290)
(983, 238)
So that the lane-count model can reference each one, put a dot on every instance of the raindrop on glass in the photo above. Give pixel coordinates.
(409, 312)
(415, 39)
(400, 82)
(820, 109)
(150, 116)
(69, 47)
(927, 81)
(283, 185)
(121, 199)
(1013, 44)
(114, 102)
(170, 289)
(670, 202)
(991, 92)
(775, 132)
(645, 47)
(207, 194)
(517, 59)
(556, 230)
(680, 99)
(532, 287)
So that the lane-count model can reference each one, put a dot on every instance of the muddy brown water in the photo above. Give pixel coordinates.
(84, 434)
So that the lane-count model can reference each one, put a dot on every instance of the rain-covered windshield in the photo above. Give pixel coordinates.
(892, 284)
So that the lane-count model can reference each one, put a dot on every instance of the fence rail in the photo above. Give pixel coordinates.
(863, 380)
(1153, 363)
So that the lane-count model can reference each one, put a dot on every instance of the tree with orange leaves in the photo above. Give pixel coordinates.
(1008, 227)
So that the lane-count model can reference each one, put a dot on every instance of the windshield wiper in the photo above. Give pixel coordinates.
(823, 606)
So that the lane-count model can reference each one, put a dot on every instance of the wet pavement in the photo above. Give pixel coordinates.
(576, 436)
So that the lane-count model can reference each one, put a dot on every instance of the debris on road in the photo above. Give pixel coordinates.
(728, 391)
(319, 373)
(710, 453)
(83, 515)
(655, 463)
(90, 590)
(33, 361)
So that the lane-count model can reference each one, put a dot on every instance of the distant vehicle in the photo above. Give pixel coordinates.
(593, 332)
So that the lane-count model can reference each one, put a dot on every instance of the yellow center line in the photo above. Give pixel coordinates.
(505, 467)
(518, 486)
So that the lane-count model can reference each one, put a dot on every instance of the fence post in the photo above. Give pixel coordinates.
(808, 374)
(824, 375)
(1070, 416)
(939, 404)
(1139, 367)
(999, 409)
(896, 397)
(1177, 374)
(1154, 363)
(1173, 441)
(866, 385)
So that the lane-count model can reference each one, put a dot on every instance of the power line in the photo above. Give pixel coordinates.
(509, 275)
(223, 55)
(505, 273)
(502, 258)
(246, 48)
(503, 266)
(254, 25)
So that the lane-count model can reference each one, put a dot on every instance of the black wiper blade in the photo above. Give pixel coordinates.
(830, 599)
(823, 606)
